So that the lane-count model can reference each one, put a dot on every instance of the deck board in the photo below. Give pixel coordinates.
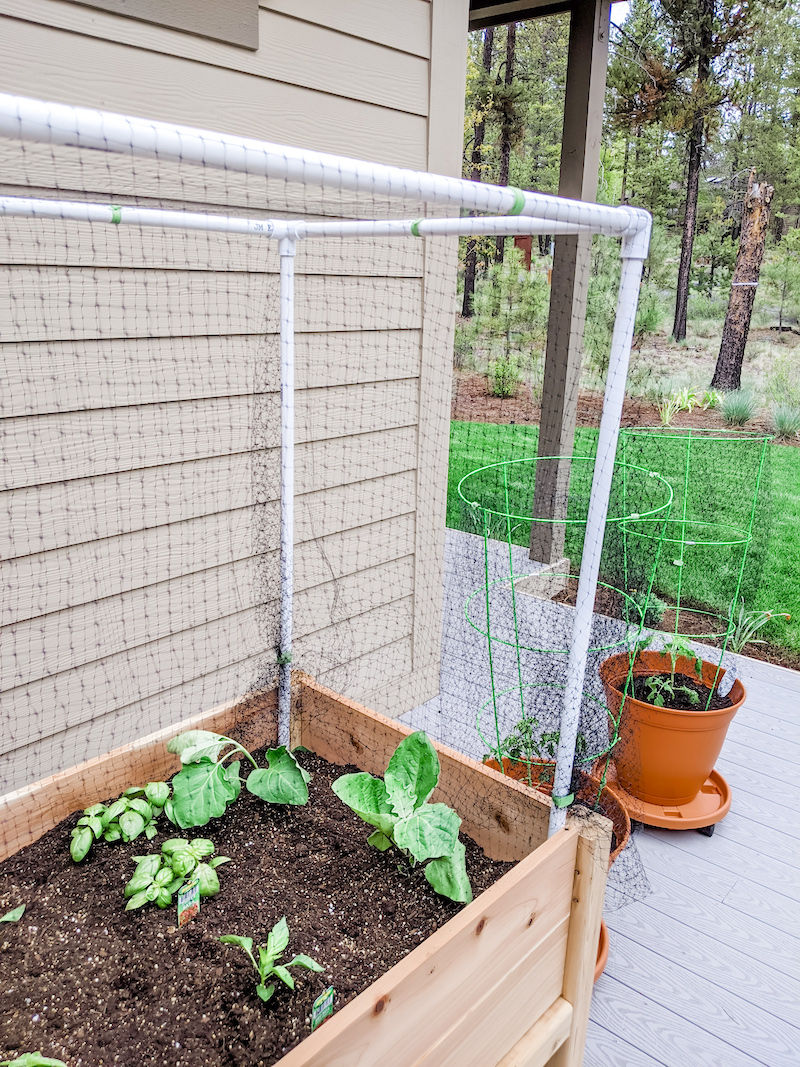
(705, 970)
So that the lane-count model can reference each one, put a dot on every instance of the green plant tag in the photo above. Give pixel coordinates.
(188, 901)
(322, 1007)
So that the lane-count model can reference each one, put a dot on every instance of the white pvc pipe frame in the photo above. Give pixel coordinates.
(525, 212)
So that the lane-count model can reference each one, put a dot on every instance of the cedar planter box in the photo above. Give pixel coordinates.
(506, 982)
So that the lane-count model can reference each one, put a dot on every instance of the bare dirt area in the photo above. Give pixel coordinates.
(472, 403)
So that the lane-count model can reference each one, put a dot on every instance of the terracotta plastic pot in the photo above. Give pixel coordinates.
(611, 804)
(664, 756)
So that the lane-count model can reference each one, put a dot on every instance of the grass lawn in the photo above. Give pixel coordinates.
(476, 444)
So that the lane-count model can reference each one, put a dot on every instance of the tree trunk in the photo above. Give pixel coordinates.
(696, 139)
(755, 221)
(470, 259)
(505, 130)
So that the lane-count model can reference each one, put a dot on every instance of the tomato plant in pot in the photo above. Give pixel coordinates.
(670, 717)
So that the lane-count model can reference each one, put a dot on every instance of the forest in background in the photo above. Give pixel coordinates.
(703, 98)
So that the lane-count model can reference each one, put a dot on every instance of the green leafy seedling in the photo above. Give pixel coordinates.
(267, 964)
(158, 877)
(397, 806)
(14, 915)
(127, 818)
(153, 881)
(32, 1059)
(205, 786)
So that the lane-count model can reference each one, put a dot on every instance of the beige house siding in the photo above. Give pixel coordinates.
(139, 511)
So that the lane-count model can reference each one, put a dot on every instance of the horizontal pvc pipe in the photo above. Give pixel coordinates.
(105, 131)
(125, 215)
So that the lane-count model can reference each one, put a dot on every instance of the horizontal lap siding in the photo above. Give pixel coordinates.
(139, 421)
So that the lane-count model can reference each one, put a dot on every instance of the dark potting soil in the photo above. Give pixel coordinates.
(83, 980)
(681, 702)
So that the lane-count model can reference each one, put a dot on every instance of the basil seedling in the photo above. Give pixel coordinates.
(133, 814)
(158, 877)
(267, 964)
(398, 807)
(14, 915)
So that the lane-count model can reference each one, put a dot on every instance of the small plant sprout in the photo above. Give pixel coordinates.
(397, 806)
(32, 1059)
(158, 877)
(663, 687)
(205, 786)
(14, 915)
(268, 957)
(668, 408)
(747, 623)
(133, 814)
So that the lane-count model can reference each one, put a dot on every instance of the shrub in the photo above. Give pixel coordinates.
(510, 307)
(783, 381)
(504, 376)
(786, 421)
(738, 408)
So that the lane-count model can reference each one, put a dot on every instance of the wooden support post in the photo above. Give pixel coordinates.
(588, 893)
(580, 159)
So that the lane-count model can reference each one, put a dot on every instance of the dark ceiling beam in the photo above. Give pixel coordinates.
(483, 13)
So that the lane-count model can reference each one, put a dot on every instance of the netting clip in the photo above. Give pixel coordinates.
(116, 214)
(564, 802)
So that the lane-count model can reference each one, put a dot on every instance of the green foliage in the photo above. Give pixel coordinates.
(510, 321)
(158, 877)
(32, 1059)
(644, 610)
(205, 787)
(527, 743)
(133, 814)
(668, 408)
(268, 957)
(746, 623)
(474, 445)
(786, 421)
(783, 379)
(463, 344)
(662, 689)
(781, 273)
(397, 806)
(504, 376)
(738, 408)
(14, 915)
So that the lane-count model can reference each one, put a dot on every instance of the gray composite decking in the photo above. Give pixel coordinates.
(704, 964)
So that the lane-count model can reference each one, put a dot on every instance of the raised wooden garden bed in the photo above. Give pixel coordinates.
(505, 982)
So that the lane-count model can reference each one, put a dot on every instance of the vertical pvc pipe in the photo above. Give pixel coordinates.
(287, 249)
(595, 528)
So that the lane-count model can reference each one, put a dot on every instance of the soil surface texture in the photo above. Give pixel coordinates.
(83, 980)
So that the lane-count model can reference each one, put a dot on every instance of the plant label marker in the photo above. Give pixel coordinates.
(188, 902)
(322, 1007)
